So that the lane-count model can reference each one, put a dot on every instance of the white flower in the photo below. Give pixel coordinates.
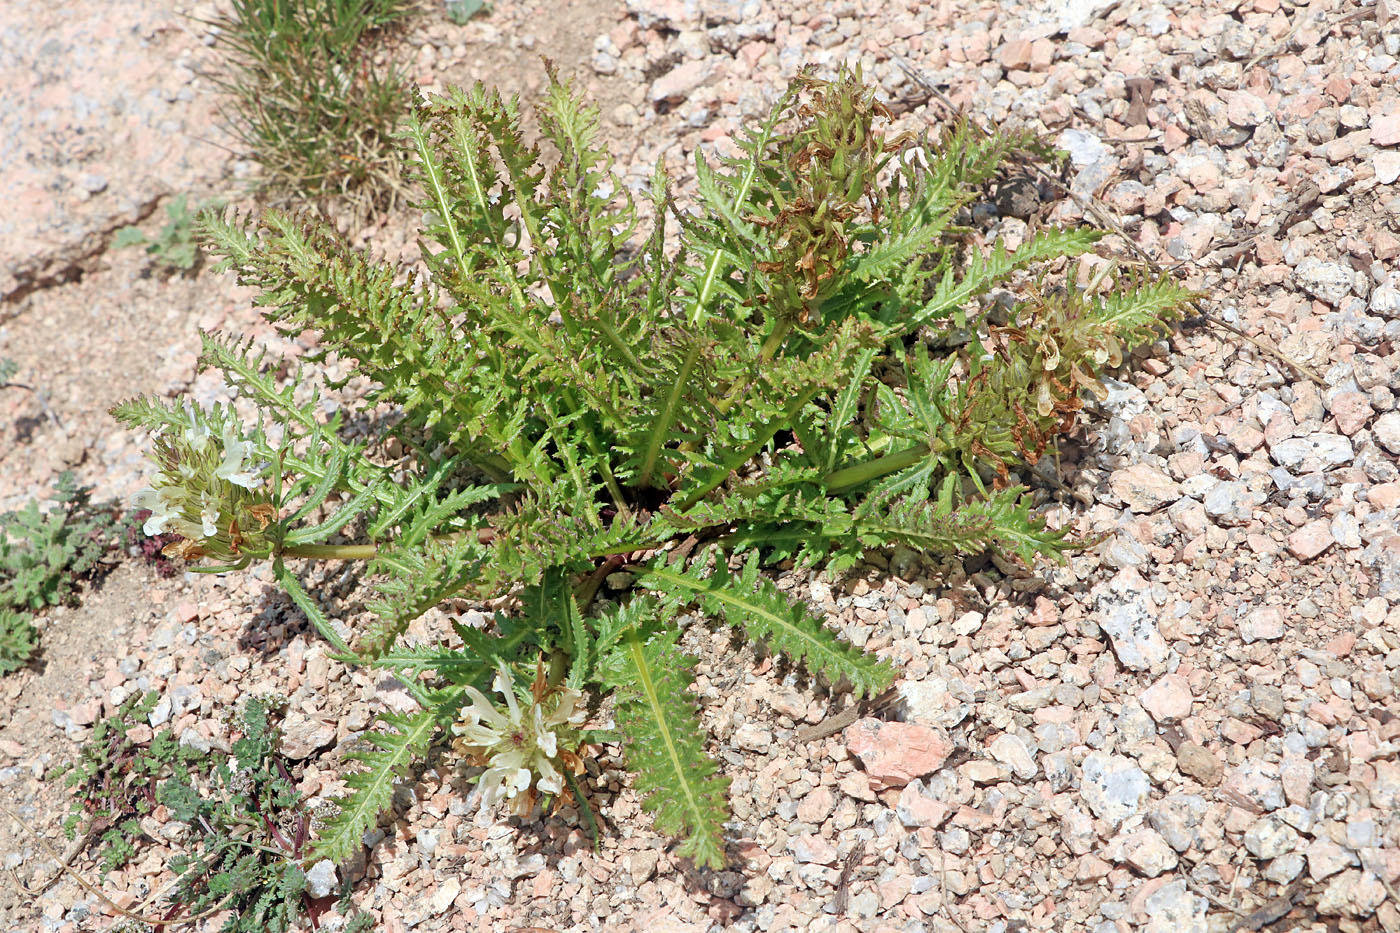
(519, 746)
(163, 511)
(197, 436)
(231, 469)
(209, 515)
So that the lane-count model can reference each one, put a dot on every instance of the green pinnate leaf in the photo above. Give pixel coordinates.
(657, 716)
(753, 603)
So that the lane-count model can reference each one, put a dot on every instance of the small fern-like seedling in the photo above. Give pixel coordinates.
(44, 552)
(581, 397)
(174, 247)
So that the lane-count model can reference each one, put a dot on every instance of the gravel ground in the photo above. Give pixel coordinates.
(1191, 727)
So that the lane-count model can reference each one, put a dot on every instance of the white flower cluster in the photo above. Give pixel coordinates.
(523, 748)
(205, 487)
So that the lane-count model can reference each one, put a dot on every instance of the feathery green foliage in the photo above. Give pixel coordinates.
(575, 396)
(656, 713)
(386, 758)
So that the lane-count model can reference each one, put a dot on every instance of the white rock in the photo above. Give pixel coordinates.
(1385, 299)
(677, 83)
(1143, 487)
(1285, 868)
(1084, 148)
(1387, 165)
(1270, 837)
(673, 14)
(922, 700)
(1148, 852)
(1326, 281)
(1387, 431)
(1346, 530)
(1332, 450)
(1262, 624)
(1326, 858)
(1071, 14)
(1257, 780)
(1229, 504)
(1352, 894)
(1169, 699)
(1172, 908)
(1113, 787)
(1178, 818)
(1129, 617)
(753, 737)
(321, 880)
(1011, 750)
(445, 894)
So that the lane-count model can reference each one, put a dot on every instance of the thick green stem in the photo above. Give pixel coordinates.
(332, 551)
(852, 476)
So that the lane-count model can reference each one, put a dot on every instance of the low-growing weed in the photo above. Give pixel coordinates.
(175, 246)
(776, 386)
(238, 825)
(115, 779)
(43, 555)
(462, 11)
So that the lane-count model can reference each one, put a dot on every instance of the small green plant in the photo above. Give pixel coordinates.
(775, 386)
(462, 11)
(115, 780)
(308, 98)
(245, 827)
(18, 640)
(43, 553)
(175, 247)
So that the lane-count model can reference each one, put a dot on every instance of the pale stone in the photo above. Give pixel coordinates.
(895, 753)
(1326, 281)
(1144, 488)
(1173, 908)
(1311, 540)
(1352, 410)
(1146, 851)
(1113, 786)
(320, 879)
(1352, 894)
(1169, 699)
(677, 83)
(1330, 450)
(1011, 750)
(1262, 624)
(445, 894)
(812, 848)
(1387, 165)
(1270, 837)
(1385, 131)
(1387, 431)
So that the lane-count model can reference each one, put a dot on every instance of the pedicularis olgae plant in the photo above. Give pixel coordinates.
(774, 384)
